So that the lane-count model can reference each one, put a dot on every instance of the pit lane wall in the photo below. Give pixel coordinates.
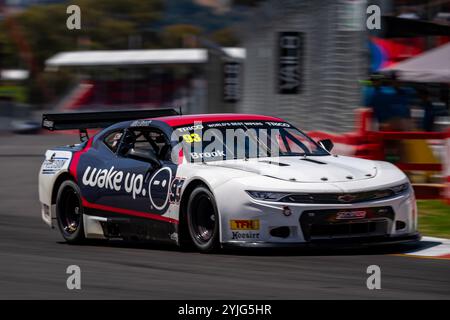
(375, 145)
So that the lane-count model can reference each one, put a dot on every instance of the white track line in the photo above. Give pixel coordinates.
(432, 247)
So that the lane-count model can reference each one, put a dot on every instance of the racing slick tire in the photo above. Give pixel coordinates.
(69, 212)
(203, 220)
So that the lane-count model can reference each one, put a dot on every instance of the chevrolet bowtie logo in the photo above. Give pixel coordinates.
(346, 198)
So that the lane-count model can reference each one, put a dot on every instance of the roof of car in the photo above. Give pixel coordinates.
(175, 121)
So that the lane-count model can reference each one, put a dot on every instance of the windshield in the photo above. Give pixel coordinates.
(243, 140)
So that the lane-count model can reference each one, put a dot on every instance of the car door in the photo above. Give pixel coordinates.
(128, 174)
(148, 173)
(136, 162)
(148, 179)
(96, 171)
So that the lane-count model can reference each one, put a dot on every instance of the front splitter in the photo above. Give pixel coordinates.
(329, 243)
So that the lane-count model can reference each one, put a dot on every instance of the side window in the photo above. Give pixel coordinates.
(161, 143)
(145, 144)
(112, 140)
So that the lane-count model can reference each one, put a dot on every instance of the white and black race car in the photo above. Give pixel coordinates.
(217, 180)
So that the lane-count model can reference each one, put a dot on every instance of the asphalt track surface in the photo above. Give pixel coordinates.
(33, 258)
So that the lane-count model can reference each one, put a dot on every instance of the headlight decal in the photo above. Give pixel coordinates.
(329, 198)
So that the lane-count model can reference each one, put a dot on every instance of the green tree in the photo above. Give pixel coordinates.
(106, 24)
(181, 35)
(226, 37)
(39, 32)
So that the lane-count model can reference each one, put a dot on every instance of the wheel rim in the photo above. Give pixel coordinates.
(70, 213)
(203, 220)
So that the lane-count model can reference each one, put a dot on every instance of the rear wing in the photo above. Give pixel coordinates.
(98, 119)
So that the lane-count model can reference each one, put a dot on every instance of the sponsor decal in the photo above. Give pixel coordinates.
(53, 165)
(342, 215)
(236, 235)
(244, 224)
(47, 124)
(191, 128)
(278, 124)
(141, 123)
(235, 124)
(161, 189)
(110, 179)
(202, 155)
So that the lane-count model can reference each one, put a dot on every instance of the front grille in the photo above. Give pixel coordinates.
(348, 229)
(326, 224)
(336, 198)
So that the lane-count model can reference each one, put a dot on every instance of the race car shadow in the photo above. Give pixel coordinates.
(126, 244)
(392, 249)
(421, 245)
(302, 251)
(405, 248)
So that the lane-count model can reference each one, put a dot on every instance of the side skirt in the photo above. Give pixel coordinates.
(117, 226)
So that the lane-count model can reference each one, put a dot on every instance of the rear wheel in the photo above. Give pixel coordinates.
(69, 212)
(203, 220)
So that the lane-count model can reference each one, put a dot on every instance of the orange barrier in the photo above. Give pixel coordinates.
(363, 143)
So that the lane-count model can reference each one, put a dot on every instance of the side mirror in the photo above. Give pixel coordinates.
(327, 144)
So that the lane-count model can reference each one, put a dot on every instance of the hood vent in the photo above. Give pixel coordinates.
(313, 161)
(275, 163)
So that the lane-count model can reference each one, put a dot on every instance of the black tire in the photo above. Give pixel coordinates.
(203, 220)
(69, 212)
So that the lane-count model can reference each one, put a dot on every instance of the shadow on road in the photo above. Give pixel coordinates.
(304, 251)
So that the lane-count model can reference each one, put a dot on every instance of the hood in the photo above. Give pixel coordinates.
(310, 169)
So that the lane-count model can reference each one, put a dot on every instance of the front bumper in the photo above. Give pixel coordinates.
(251, 223)
(331, 243)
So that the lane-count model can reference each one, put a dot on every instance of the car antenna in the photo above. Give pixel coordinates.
(181, 111)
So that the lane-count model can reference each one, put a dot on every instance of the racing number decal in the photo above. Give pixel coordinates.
(193, 137)
(175, 190)
(163, 190)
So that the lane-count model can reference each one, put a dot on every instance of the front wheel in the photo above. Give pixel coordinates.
(69, 212)
(203, 220)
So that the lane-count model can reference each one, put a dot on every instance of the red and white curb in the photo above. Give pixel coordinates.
(432, 247)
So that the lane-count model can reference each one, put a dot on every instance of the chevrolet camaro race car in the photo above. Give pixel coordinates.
(216, 180)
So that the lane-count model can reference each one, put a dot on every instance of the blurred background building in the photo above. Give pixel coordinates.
(307, 58)
(303, 60)
(314, 63)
